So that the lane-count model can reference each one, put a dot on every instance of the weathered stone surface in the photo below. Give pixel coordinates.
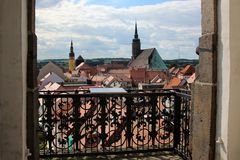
(209, 16)
(208, 58)
(203, 122)
(207, 67)
(208, 43)
(204, 92)
(13, 48)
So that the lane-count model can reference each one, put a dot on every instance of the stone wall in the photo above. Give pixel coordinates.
(13, 87)
(204, 92)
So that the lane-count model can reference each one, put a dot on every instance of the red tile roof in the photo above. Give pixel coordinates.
(188, 70)
(143, 75)
(173, 83)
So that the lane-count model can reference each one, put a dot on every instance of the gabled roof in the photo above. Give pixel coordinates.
(142, 61)
(50, 67)
(79, 60)
(50, 77)
(188, 70)
(149, 59)
(53, 77)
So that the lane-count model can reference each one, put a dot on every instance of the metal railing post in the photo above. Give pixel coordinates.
(177, 110)
(129, 134)
(103, 115)
(49, 104)
(76, 120)
(154, 118)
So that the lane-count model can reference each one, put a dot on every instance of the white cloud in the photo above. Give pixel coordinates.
(172, 27)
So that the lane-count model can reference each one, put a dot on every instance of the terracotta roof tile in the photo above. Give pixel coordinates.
(188, 70)
(174, 82)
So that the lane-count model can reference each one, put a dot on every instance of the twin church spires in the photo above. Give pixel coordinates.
(136, 51)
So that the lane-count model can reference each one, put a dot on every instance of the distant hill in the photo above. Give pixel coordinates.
(181, 62)
(99, 61)
(61, 62)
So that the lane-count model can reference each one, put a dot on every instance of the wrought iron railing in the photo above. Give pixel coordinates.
(80, 124)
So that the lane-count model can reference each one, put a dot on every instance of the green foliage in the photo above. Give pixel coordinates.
(100, 61)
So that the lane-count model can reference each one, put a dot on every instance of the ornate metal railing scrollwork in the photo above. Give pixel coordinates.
(80, 123)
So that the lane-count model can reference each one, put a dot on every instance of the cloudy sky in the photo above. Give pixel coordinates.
(105, 28)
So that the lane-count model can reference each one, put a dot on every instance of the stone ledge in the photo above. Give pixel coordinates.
(208, 43)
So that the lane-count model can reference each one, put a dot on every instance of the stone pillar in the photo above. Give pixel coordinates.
(32, 90)
(13, 87)
(204, 93)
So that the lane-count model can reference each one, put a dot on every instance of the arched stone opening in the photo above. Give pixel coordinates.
(215, 92)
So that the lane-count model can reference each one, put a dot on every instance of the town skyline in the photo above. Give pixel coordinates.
(105, 29)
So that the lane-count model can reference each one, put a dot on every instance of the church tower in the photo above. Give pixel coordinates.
(136, 44)
(71, 61)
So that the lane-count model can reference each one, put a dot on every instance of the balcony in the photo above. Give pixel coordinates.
(80, 124)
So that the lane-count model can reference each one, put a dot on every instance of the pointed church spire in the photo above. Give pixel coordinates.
(71, 54)
(136, 44)
(71, 47)
(71, 62)
(136, 32)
